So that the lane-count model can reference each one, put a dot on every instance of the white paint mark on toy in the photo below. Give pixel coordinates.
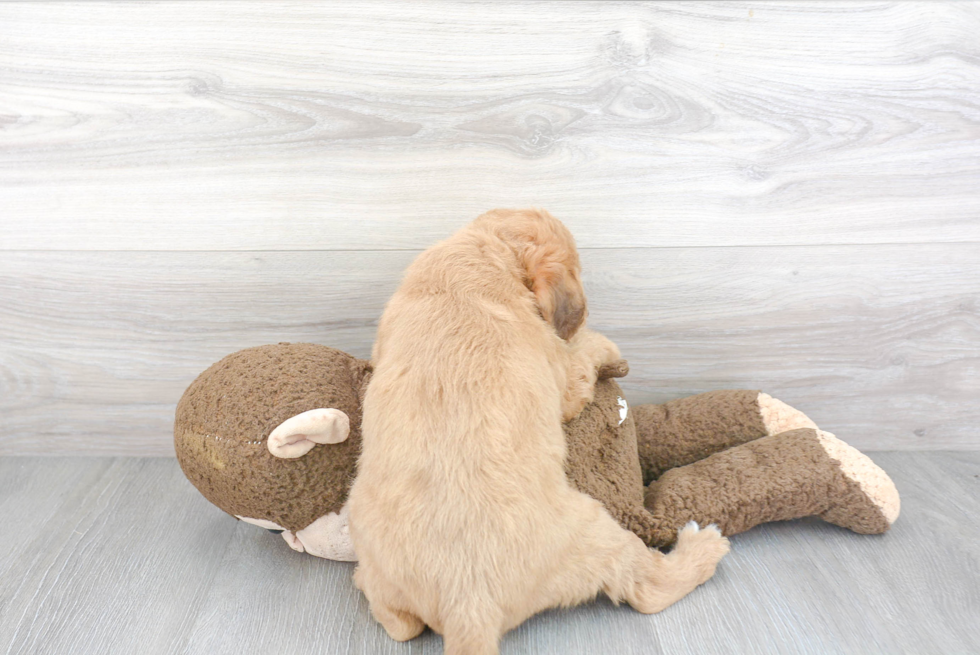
(623, 409)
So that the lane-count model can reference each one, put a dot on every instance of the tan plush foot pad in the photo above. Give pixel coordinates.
(858, 468)
(802, 472)
(779, 417)
(872, 503)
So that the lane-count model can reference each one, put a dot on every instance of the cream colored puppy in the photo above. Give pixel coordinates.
(461, 514)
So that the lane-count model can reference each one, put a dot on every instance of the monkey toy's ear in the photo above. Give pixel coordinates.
(297, 436)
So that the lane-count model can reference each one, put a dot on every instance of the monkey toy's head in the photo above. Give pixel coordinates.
(271, 435)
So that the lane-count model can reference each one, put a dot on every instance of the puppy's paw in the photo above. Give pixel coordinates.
(700, 549)
(596, 348)
(579, 393)
(606, 352)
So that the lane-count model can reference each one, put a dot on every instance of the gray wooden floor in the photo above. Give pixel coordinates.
(121, 555)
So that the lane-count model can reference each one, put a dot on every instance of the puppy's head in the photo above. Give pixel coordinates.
(549, 261)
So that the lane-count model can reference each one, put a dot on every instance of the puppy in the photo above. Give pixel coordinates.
(461, 515)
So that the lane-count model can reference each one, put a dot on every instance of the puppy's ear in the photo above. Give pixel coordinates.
(558, 290)
(546, 251)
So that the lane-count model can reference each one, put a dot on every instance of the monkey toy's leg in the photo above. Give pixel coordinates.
(803, 472)
(689, 429)
(741, 458)
(738, 459)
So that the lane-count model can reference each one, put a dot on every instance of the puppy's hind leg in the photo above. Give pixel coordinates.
(401, 625)
(602, 556)
(664, 579)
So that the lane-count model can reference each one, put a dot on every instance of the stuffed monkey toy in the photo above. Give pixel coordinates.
(271, 436)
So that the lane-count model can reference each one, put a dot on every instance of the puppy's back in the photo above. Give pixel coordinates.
(461, 514)
(462, 440)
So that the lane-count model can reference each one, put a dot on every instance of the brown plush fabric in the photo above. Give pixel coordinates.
(710, 454)
(785, 476)
(602, 459)
(742, 479)
(689, 429)
(227, 413)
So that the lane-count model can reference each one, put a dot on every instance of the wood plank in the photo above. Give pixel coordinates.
(120, 565)
(32, 494)
(879, 344)
(374, 125)
(157, 569)
(848, 593)
(113, 339)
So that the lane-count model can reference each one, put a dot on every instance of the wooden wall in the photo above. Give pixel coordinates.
(782, 196)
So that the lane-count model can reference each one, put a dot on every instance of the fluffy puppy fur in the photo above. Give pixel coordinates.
(461, 514)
